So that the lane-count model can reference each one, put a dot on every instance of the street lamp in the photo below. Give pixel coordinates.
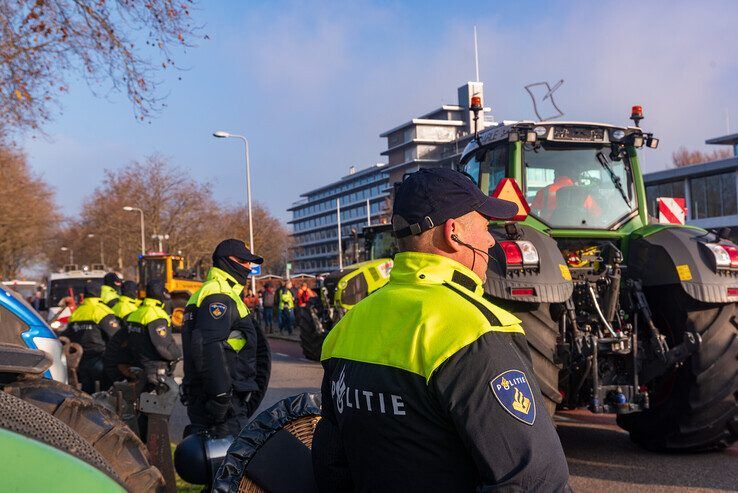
(92, 235)
(225, 135)
(71, 254)
(160, 238)
(128, 208)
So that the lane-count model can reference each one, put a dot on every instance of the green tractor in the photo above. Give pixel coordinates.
(622, 314)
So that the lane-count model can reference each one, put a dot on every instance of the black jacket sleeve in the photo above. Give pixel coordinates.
(160, 335)
(330, 464)
(510, 454)
(109, 325)
(214, 320)
(263, 366)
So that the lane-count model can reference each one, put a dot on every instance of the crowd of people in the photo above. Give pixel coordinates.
(274, 308)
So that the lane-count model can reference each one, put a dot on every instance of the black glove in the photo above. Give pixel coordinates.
(217, 407)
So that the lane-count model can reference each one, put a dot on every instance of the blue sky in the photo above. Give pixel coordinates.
(312, 85)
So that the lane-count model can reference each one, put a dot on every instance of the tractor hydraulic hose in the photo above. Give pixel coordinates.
(599, 311)
(613, 293)
(658, 341)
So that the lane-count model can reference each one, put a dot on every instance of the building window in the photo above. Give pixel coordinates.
(673, 189)
(713, 196)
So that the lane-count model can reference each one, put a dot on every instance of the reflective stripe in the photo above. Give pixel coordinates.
(416, 322)
(236, 340)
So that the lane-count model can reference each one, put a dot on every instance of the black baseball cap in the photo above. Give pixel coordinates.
(236, 248)
(431, 196)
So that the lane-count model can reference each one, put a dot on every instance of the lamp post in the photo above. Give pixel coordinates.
(128, 208)
(225, 135)
(92, 235)
(71, 254)
(160, 238)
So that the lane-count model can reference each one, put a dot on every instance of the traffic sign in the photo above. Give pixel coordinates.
(255, 269)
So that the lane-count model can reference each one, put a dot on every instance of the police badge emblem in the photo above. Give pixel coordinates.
(513, 392)
(217, 309)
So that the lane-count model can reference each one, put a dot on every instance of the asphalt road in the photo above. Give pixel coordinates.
(600, 455)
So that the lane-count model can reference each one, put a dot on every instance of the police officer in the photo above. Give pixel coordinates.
(117, 358)
(150, 338)
(428, 386)
(110, 291)
(226, 356)
(127, 303)
(91, 325)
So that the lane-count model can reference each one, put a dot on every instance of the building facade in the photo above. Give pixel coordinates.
(315, 220)
(710, 189)
(435, 139)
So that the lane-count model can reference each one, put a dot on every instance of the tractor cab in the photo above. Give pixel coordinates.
(573, 176)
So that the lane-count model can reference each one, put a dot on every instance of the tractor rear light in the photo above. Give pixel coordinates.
(732, 291)
(722, 257)
(733, 253)
(513, 255)
(523, 291)
(520, 253)
(530, 254)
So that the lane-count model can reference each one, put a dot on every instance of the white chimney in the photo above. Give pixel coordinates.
(352, 170)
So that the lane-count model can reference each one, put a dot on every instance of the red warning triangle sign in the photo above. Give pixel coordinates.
(508, 189)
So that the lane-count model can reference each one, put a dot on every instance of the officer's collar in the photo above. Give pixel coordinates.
(92, 299)
(429, 268)
(220, 275)
(152, 302)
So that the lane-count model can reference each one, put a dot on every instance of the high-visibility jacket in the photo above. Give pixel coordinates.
(224, 350)
(124, 306)
(430, 387)
(286, 299)
(108, 295)
(91, 325)
(150, 335)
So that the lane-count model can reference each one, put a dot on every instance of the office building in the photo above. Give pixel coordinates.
(314, 219)
(710, 189)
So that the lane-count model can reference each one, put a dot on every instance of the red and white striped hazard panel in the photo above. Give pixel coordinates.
(672, 210)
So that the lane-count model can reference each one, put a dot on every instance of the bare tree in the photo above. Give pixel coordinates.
(173, 204)
(29, 216)
(118, 45)
(271, 237)
(684, 157)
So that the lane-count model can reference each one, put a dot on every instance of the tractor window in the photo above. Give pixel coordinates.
(153, 268)
(62, 288)
(570, 187)
(488, 167)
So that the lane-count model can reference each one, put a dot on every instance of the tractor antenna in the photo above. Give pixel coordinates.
(476, 54)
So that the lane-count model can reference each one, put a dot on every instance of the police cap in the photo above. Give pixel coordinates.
(430, 197)
(235, 248)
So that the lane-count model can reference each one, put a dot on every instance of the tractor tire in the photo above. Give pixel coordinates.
(542, 332)
(312, 332)
(693, 407)
(102, 428)
(28, 420)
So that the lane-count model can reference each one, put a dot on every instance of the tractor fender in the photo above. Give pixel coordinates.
(551, 280)
(677, 255)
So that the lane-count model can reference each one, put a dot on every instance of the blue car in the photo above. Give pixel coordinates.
(22, 327)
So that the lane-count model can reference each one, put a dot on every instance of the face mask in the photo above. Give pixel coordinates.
(238, 271)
